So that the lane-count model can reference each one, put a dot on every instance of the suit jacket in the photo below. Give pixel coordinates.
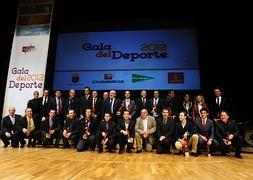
(85, 103)
(7, 125)
(35, 105)
(72, 126)
(93, 127)
(173, 105)
(46, 107)
(111, 133)
(215, 108)
(54, 104)
(131, 108)
(72, 104)
(130, 129)
(140, 106)
(222, 129)
(208, 132)
(189, 126)
(167, 129)
(23, 123)
(139, 128)
(45, 126)
(160, 105)
(116, 107)
(98, 106)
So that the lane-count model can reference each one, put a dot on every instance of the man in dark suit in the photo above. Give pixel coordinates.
(106, 134)
(157, 105)
(46, 103)
(126, 132)
(227, 134)
(50, 129)
(95, 104)
(185, 135)
(58, 105)
(85, 100)
(218, 104)
(72, 103)
(28, 127)
(35, 105)
(165, 132)
(205, 130)
(71, 129)
(87, 132)
(128, 105)
(9, 128)
(172, 103)
(113, 106)
(142, 103)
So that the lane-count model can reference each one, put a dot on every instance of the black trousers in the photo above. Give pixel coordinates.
(123, 141)
(236, 142)
(163, 146)
(85, 144)
(14, 139)
(33, 137)
(72, 137)
(110, 144)
(55, 136)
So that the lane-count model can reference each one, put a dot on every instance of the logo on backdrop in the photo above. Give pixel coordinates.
(28, 48)
(139, 78)
(152, 50)
(22, 78)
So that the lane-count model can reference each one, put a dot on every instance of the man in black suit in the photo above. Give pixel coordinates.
(35, 105)
(157, 105)
(58, 105)
(50, 129)
(185, 135)
(46, 103)
(85, 100)
(227, 134)
(95, 104)
(106, 134)
(28, 127)
(126, 132)
(113, 106)
(218, 104)
(87, 132)
(71, 129)
(172, 103)
(165, 132)
(205, 130)
(72, 103)
(142, 103)
(128, 105)
(9, 128)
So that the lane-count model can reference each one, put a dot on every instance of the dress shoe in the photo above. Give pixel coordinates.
(138, 151)
(239, 156)
(120, 152)
(194, 154)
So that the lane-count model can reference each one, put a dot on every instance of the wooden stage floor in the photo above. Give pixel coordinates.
(40, 163)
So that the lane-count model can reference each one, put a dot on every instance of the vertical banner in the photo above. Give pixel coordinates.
(29, 52)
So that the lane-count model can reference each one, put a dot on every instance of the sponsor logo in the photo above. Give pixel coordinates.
(139, 78)
(28, 48)
(176, 77)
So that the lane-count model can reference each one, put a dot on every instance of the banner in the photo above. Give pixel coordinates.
(29, 52)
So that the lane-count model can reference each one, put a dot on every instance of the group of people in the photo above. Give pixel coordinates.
(144, 124)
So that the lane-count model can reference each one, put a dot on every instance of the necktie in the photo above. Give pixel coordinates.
(94, 103)
(45, 101)
(143, 101)
(218, 101)
(59, 105)
(13, 120)
(203, 123)
(111, 101)
(107, 126)
(165, 121)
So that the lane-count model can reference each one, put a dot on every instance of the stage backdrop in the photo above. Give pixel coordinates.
(134, 60)
(29, 53)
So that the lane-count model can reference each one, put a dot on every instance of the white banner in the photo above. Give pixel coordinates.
(28, 57)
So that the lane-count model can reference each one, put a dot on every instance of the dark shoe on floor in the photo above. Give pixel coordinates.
(120, 152)
(239, 156)
(138, 151)
(6, 145)
(128, 151)
(194, 154)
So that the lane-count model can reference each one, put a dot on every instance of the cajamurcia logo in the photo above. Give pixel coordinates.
(152, 50)
(28, 48)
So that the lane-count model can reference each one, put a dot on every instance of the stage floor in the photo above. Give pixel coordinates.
(40, 163)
